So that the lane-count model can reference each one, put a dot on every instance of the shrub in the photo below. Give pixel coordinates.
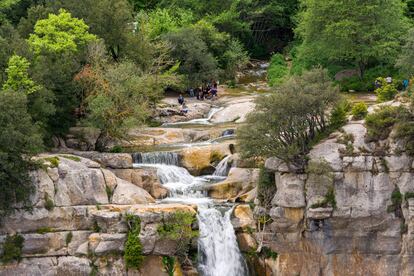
(44, 230)
(54, 161)
(386, 92)
(380, 123)
(49, 204)
(359, 111)
(396, 200)
(286, 124)
(266, 187)
(268, 253)
(169, 264)
(68, 238)
(278, 70)
(178, 227)
(320, 168)
(338, 114)
(405, 130)
(116, 149)
(71, 157)
(133, 248)
(329, 200)
(109, 192)
(408, 195)
(12, 248)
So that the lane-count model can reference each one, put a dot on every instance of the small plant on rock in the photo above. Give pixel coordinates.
(169, 264)
(49, 204)
(178, 227)
(12, 248)
(266, 188)
(133, 248)
(68, 238)
(359, 111)
(380, 123)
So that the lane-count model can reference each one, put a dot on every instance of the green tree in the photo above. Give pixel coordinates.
(406, 59)
(352, 32)
(286, 123)
(120, 95)
(18, 78)
(60, 34)
(196, 62)
(19, 139)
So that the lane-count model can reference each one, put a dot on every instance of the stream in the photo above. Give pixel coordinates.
(218, 249)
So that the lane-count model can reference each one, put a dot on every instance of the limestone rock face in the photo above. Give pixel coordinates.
(243, 217)
(79, 185)
(343, 222)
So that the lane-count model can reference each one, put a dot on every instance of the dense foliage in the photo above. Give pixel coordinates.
(287, 122)
(133, 248)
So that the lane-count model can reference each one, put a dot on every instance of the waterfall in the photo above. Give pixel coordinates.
(203, 121)
(167, 158)
(219, 253)
(223, 167)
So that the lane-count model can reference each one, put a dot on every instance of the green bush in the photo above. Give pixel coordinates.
(68, 238)
(169, 264)
(12, 248)
(338, 115)
(268, 253)
(396, 200)
(386, 92)
(405, 130)
(359, 111)
(278, 70)
(178, 227)
(49, 204)
(329, 200)
(133, 248)
(71, 157)
(54, 161)
(44, 230)
(380, 123)
(408, 195)
(266, 187)
(117, 149)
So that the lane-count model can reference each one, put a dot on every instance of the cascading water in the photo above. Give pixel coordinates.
(218, 249)
(203, 121)
(167, 158)
(223, 167)
(219, 253)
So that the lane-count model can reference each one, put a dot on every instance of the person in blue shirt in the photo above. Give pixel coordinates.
(405, 84)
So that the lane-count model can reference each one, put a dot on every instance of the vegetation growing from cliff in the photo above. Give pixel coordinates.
(396, 200)
(288, 122)
(379, 124)
(178, 227)
(266, 188)
(133, 256)
(20, 138)
(169, 264)
(12, 248)
(359, 111)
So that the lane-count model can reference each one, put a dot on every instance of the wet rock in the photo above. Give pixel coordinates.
(200, 160)
(243, 217)
(239, 182)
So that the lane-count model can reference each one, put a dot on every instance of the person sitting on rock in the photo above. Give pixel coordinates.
(181, 99)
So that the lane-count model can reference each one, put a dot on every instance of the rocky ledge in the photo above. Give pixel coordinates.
(352, 214)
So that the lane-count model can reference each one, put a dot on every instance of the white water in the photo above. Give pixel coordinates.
(223, 167)
(203, 121)
(219, 253)
(168, 158)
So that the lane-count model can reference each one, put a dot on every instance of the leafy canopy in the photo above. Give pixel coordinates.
(18, 78)
(286, 123)
(59, 34)
(353, 31)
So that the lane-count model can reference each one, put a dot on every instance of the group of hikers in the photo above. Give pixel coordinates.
(405, 83)
(206, 91)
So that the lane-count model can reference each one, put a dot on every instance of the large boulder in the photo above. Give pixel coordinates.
(127, 193)
(235, 111)
(200, 160)
(290, 190)
(145, 178)
(79, 185)
(108, 160)
(239, 182)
